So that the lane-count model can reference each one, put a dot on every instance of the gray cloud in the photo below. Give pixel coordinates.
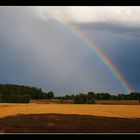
(120, 43)
(45, 53)
(111, 28)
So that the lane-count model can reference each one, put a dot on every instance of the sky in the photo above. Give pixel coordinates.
(43, 47)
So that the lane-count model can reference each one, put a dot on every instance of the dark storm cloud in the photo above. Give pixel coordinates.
(121, 44)
(112, 28)
(46, 54)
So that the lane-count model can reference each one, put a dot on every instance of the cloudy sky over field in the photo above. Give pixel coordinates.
(39, 47)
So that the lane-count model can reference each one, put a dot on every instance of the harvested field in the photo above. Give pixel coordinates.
(106, 102)
(118, 102)
(54, 101)
(49, 118)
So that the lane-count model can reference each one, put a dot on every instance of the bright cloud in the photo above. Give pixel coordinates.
(128, 16)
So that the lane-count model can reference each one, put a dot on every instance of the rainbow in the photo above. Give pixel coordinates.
(99, 53)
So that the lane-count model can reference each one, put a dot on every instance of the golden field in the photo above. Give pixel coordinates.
(69, 118)
(123, 111)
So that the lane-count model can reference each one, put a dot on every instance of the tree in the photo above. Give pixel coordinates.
(91, 94)
(50, 95)
(90, 101)
(67, 97)
(80, 99)
(139, 97)
(26, 98)
(134, 96)
(76, 100)
(106, 96)
(20, 94)
(0, 98)
(90, 98)
(121, 96)
(99, 96)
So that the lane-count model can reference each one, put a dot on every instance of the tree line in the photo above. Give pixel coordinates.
(21, 94)
(10, 93)
(91, 97)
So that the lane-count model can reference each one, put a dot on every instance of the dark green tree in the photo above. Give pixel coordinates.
(50, 95)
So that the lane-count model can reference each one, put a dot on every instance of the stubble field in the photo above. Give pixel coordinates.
(69, 118)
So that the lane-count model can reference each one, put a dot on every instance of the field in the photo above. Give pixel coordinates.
(65, 118)
(52, 101)
(118, 102)
(107, 102)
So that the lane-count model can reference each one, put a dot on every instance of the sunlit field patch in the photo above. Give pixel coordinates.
(126, 111)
